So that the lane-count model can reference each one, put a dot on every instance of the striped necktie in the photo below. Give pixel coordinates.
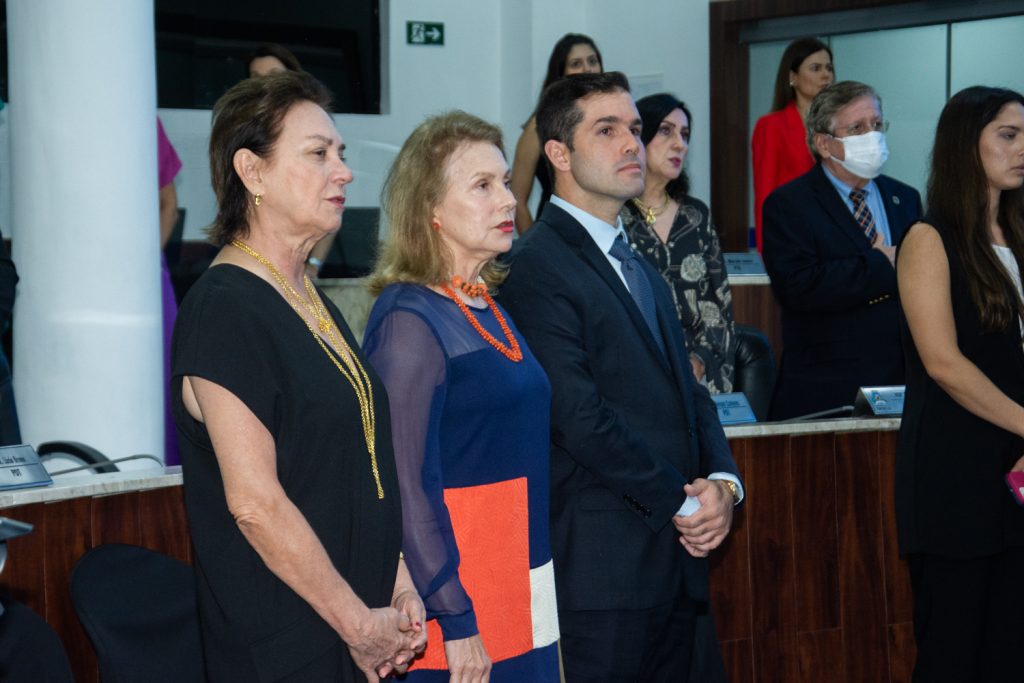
(862, 214)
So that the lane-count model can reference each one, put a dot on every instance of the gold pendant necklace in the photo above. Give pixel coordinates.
(349, 365)
(649, 213)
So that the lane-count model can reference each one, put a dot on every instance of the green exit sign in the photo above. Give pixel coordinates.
(424, 33)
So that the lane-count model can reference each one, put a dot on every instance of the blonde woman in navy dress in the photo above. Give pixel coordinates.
(470, 410)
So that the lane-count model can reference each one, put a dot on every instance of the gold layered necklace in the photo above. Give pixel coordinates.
(650, 214)
(349, 365)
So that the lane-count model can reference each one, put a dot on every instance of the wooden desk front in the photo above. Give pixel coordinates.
(807, 588)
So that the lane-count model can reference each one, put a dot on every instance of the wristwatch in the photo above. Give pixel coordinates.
(733, 489)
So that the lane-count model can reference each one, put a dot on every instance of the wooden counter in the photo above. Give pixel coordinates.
(808, 586)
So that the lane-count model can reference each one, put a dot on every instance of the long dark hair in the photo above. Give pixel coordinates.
(795, 54)
(958, 198)
(557, 60)
(560, 55)
(653, 110)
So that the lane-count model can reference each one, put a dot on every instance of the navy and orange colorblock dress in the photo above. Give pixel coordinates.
(471, 436)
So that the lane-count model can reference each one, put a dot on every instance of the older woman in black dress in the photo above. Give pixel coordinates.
(959, 276)
(673, 232)
(290, 483)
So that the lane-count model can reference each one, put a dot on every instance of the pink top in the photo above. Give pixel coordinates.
(168, 163)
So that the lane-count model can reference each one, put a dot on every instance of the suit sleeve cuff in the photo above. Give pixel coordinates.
(734, 479)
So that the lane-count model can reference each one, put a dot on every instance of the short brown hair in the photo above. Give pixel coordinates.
(414, 251)
(827, 103)
(249, 116)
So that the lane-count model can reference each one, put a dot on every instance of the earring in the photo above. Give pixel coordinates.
(257, 199)
(791, 84)
(436, 225)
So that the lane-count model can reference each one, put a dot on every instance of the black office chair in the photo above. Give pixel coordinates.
(755, 369)
(30, 651)
(139, 608)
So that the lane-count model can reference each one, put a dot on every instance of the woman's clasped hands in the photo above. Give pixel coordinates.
(389, 638)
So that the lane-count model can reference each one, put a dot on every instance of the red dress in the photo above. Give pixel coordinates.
(780, 154)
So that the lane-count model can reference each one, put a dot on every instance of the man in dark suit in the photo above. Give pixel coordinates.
(634, 437)
(829, 248)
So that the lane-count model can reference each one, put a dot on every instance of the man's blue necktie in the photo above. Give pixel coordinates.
(638, 285)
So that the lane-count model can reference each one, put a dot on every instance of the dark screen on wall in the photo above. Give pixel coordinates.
(202, 45)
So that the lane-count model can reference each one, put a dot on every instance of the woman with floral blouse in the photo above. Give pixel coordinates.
(673, 231)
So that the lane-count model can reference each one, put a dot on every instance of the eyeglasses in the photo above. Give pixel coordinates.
(860, 128)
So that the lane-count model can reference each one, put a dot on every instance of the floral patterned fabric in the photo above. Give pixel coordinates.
(691, 263)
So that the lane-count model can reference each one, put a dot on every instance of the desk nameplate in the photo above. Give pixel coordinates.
(733, 409)
(20, 468)
(744, 263)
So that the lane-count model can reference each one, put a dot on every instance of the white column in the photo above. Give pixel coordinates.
(87, 333)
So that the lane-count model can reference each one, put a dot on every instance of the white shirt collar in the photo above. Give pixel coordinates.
(602, 233)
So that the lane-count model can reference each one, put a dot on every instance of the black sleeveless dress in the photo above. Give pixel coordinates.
(236, 331)
(951, 497)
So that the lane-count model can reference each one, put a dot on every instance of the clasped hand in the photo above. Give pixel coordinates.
(878, 242)
(391, 637)
(704, 530)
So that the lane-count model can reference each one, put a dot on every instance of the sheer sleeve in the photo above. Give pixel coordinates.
(408, 357)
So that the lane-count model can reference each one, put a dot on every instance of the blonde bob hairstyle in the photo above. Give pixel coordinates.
(413, 251)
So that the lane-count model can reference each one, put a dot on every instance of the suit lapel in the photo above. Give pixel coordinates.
(674, 335)
(576, 236)
(836, 208)
(894, 210)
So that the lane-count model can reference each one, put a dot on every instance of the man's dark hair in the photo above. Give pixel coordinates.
(557, 114)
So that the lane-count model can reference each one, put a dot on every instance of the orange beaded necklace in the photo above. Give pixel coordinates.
(472, 290)
(512, 351)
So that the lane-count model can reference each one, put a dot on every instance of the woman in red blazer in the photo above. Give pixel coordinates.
(779, 144)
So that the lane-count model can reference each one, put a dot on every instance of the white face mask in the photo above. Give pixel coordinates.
(864, 154)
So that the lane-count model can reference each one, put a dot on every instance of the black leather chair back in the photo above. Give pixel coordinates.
(139, 608)
(755, 369)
